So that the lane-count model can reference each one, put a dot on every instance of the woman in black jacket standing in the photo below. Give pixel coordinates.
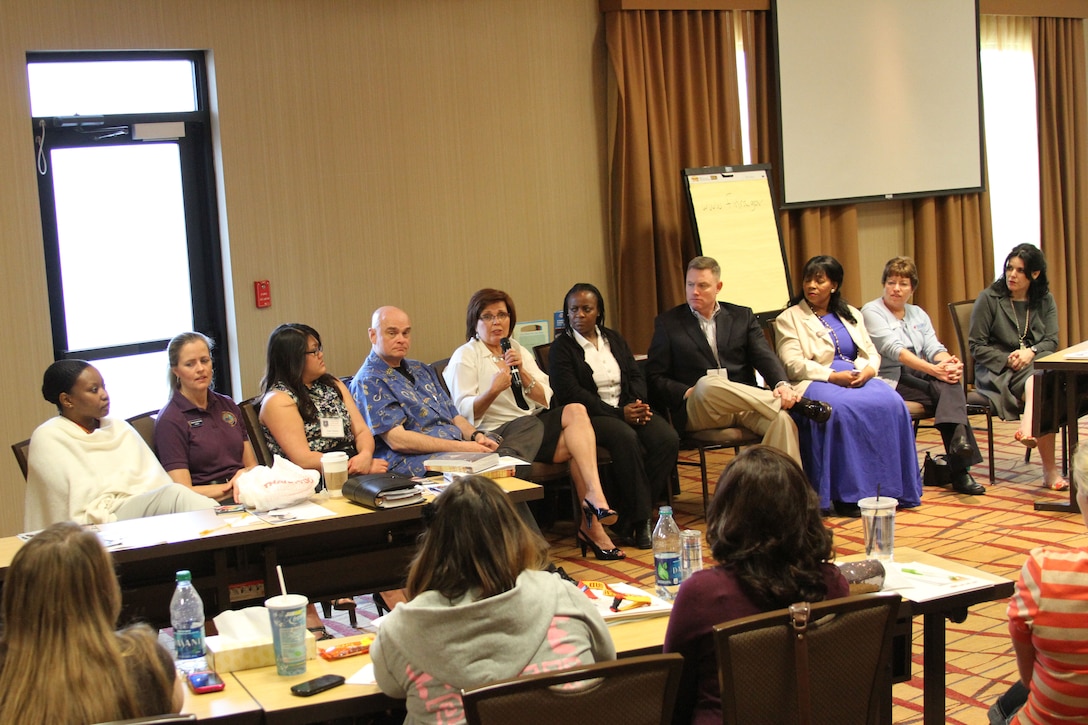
(592, 365)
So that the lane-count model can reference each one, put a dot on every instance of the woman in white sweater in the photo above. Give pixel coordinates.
(88, 468)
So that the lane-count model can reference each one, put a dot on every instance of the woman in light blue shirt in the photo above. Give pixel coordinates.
(922, 370)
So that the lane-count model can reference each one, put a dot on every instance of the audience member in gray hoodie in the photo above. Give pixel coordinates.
(481, 609)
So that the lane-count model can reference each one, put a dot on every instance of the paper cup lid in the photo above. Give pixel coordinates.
(333, 456)
(874, 503)
(286, 601)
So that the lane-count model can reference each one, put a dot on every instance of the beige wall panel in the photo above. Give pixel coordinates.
(370, 153)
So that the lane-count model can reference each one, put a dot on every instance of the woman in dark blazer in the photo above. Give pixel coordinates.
(592, 365)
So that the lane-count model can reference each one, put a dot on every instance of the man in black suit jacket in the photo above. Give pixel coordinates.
(705, 386)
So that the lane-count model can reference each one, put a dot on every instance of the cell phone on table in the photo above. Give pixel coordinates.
(204, 682)
(314, 686)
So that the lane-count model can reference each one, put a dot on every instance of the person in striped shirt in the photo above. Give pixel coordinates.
(1048, 622)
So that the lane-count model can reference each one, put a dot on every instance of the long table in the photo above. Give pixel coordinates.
(354, 550)
(272, 694)
(1060, 388)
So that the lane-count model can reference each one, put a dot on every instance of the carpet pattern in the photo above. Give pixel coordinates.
(993, 532)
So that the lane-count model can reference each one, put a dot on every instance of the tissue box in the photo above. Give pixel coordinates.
(225, 655)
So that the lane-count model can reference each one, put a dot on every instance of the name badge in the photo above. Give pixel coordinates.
(332, 427)
(717, 373)
(196, 422)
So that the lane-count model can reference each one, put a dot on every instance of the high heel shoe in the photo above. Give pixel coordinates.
(605, 516)
(1028, 441)
(602, 554)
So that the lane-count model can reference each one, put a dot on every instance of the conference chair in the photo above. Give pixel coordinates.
(977, 403)
(633, 691)
(20, 450)
(251, 410)
(824, 663)
(144, 423)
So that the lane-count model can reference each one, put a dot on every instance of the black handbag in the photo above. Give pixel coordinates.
(382, 490)
(935, 471)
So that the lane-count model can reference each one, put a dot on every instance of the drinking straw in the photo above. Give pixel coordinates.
(279, 572)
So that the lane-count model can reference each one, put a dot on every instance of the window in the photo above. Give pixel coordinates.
(1012, 146)
(128, 214)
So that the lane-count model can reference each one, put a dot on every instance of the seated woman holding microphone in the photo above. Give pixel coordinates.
(499, 388)
(85, 467)
(200, 438)
(592, 365)
(305, 411)
(921, 369)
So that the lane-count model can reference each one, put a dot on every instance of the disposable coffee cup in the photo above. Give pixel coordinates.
(878, 523)
(288, 615)
(334, 468)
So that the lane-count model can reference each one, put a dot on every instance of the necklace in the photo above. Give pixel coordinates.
(1027, 321)
(834, 337)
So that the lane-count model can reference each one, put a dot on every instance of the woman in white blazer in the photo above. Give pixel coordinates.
(867, 446)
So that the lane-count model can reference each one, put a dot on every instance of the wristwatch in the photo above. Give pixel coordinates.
(1034, 349)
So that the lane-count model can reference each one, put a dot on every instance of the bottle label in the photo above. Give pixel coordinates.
(667, 568)
(189, 643)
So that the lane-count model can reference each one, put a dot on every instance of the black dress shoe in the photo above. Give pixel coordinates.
(816, 410)
(962, 482)
(960, 448)
(847, 509)
(642, 535)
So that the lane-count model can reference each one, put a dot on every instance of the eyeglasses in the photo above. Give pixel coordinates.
(489, 318)
(315, 352)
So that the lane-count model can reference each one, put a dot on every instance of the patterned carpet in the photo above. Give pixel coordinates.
(992, 532)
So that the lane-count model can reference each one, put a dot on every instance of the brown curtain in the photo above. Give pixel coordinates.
(673, 81)
(954, 252)
(806, 232)
(1058, 45)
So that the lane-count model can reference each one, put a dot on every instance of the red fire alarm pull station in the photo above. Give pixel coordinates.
(263, 290)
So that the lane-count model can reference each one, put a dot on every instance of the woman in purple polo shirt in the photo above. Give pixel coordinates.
(200, 438)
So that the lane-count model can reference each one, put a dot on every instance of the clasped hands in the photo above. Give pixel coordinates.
(949, 370)
(637, 413)
(852, 378)
(1020, 359)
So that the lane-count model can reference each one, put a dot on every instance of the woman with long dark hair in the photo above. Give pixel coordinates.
(480, 608)
(592, 365)
(867, 446)
(66, 664)
(772, 550)
(1013, 322)
(305, 411)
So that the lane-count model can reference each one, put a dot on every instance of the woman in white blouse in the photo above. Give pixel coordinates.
(500, 389)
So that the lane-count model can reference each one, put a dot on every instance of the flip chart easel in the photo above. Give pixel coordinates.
(735, 221)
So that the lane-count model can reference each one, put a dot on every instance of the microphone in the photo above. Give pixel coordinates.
(515, 377)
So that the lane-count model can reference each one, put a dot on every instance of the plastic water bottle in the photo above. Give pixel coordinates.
(666, 554)
(187, 618)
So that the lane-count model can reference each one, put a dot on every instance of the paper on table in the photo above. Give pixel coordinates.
(299, 512)
(921, 582)
(365, 676)
(1078, 355)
